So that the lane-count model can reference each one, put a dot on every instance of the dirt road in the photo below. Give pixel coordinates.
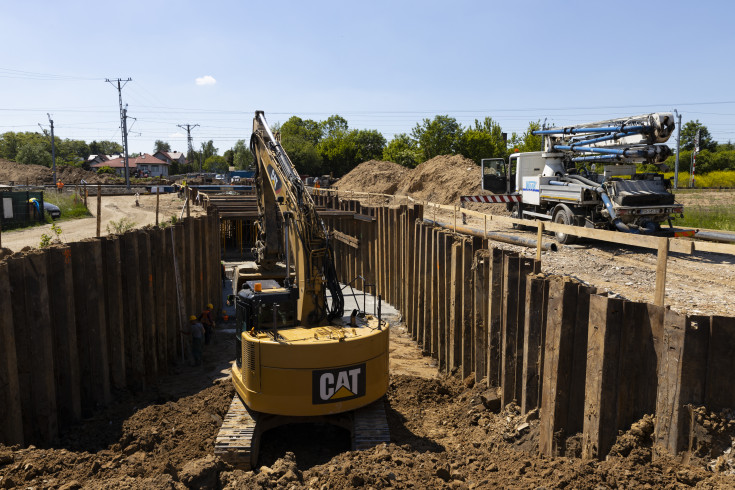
(114, 208)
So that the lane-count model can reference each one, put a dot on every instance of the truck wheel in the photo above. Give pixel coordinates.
(563, 216)
(516, 213)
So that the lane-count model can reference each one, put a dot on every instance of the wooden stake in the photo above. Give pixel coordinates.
(188, 202)
(455, 219)
(99, 209)
(484, 228)
(158, 198)
(539, 236)
(663, 255)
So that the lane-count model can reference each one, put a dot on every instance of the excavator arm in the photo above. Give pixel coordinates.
(291, 231)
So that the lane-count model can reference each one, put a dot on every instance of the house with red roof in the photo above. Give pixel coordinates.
(143, 164)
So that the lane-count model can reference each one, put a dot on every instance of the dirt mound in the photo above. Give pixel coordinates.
(38, 174)
(443, 435)
(442, 180)
(373, 176)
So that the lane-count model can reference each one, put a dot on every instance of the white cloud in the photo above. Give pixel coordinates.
(177, 135)
(205, 80)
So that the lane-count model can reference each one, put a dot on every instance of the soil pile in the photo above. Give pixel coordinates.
(445, 433)
(38, 174)
(442, 179)
(373, 176)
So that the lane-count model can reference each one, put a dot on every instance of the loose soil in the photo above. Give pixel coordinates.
(442, 179)
(39, 174)
(445, 433)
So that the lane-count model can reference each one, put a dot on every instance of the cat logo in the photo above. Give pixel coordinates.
(338, 385)
(273, 176)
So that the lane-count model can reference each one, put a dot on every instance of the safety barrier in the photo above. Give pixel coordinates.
(82, 321)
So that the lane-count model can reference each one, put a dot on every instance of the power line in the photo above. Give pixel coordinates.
(123, 124)
(188, 128)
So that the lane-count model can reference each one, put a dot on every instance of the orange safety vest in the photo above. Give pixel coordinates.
(59, 185)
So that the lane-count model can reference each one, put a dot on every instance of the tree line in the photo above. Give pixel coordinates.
(331, 147)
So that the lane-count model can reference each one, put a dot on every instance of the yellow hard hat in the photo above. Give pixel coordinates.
(192, 317)
(210, 305)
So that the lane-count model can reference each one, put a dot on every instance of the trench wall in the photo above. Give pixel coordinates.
(82, 323)
(590, 364)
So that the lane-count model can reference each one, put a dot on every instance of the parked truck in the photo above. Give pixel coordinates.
(587, 176)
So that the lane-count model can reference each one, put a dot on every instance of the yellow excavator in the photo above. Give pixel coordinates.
(298, 359)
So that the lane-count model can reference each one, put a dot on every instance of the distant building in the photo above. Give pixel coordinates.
(171, 157)
(146, 163)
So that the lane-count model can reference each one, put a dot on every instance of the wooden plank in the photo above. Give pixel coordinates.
(455, 322)
(467, 319)
(63, 324)
(132, 312)
(148, 306)
(533, 326)
(113, 310)
(637, 366)
(719, 393)
(91, 326)
(11, 423)
(425, 331)
(161, 291)
(603, 356)
(495, 309)
(526, 266)
(509, 334)
(479, 305)
(558, 355)
(682, 372)
(662, 259)
(433, 309)
(578, 374)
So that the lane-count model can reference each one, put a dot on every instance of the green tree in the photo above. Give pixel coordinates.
(241, 158)
(689, 134)
(484, 140)
(161, 146)
(439, 136)
(208, 150)
(334, 125)
(403, 150)
(300, 138)
(527, 141)
(34, 153)
(369, 145)
(105, 147)
(216, 164)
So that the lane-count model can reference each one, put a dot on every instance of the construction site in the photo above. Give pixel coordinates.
(510, 352)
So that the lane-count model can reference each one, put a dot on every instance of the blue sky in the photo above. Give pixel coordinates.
(381, 65)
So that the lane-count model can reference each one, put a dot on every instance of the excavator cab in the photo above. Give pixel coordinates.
(263, 307)
(493, 175)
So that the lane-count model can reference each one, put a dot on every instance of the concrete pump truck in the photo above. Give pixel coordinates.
(564, 184)
(297, 359)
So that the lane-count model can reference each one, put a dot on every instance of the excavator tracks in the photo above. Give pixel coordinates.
(238, 439)
(370, 426)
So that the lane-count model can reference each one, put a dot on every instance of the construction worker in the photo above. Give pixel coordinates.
(196, 330)
(59, 186)
(207, 319)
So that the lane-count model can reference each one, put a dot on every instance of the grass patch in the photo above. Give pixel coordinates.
(71, 205)
(714, 217)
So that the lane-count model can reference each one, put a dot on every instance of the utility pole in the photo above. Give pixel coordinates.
(123, 126)
(678, 145)
(53, 146)
(188, 128)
